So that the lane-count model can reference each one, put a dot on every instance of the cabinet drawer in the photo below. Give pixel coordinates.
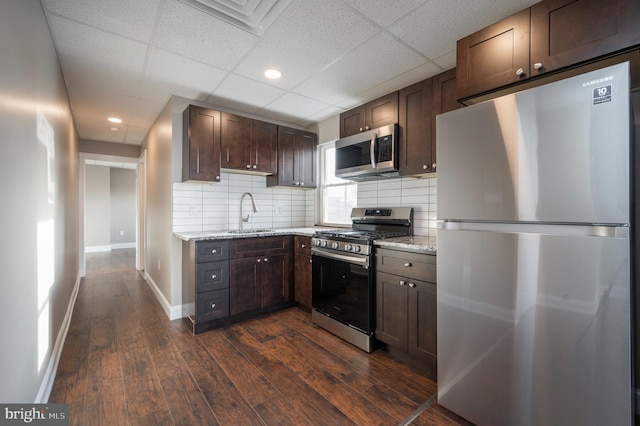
(212, 251)
(303, 245)
(244, 248)
(212, 305)
(407, 264)
(212, 276)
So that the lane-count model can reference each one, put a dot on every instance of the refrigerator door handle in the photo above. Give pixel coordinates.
(578, 230)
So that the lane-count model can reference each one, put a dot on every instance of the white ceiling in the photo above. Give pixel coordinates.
(125, 58)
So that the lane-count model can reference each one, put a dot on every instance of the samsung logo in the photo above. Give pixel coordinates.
(597, 81)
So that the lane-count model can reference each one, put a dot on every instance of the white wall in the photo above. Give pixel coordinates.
(39, 181)
(97, 208)
(123, 207)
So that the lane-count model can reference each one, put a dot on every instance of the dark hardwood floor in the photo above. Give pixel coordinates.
(124, 362)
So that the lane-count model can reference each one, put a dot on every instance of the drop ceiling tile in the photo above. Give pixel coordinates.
(246, 94)
(293, 106)
(385, 12)
(135, 135)
(305, 40)
(196, 35)
(379, 59)
(168, 73)
(134, 19)
(435, 27)
(144, 114)
(98, 130)
(446, 61)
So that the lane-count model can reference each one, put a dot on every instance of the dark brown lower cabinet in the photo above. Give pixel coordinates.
(303, 272)
(406, 315)
(260, 274)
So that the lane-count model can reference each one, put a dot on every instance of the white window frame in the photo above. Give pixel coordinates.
(322, 149)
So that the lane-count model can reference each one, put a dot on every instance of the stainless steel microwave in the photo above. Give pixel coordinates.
(368, 155)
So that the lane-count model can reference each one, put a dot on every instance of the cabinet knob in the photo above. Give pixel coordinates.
(303, 245)
(255, 167)
(301, 183)
(214, 251)
(520, 72)
(213, 306)
(407, 264)
(248, 166)
(433, 166)
(310, 260)
(217, 177)
(538, 66)
(366, 127)
(403, 283)
(412, 285)
(361, 129)
(425, 167)
(259, 260)
(214, 276)
(266, 259)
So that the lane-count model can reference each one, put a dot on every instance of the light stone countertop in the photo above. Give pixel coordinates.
(414, 242)
(225, 235)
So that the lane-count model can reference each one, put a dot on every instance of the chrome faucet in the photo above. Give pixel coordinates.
(253, 206)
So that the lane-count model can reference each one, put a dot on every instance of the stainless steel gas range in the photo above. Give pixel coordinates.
(343, 272)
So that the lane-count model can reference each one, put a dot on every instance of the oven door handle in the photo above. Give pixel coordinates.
(359, 260)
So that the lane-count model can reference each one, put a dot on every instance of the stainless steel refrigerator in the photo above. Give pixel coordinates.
(534, 271)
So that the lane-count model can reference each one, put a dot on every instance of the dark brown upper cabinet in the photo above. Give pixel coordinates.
(248, 145)
(418, 106)
(549, 36)
(297, 161)
(201, 145)
(493, 57)
(377, 113)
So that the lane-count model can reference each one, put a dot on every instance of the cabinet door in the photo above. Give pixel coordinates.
(303, 280)
(201, 144)
(445, 99)
(352, 121)
(305, 160)
(276, 280)
(245, 285)
(391, 310)
(286, 158)
(493, 56)
(212, 305)
(422, 321)
(415, 128)
(382, 111)
(264, 143)
(565, 32)
(236, 142)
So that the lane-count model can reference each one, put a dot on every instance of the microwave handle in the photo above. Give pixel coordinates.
(372, 150)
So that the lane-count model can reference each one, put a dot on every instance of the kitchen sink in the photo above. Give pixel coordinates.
(249, 231)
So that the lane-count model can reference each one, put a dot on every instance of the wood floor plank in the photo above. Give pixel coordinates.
(302, 396)
(160, 417)
(186, 403)
(279, 411)
(352, 403)
(105, 404)
(253, 350)
(390, 401)
(223, 397)
(245, 376)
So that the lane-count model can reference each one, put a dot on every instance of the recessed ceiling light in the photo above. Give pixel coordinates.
(114, 129)
(114, 120)
(272, 73)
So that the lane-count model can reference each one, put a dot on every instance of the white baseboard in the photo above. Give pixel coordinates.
(173, 312)
(97, 249)
(54, 358)
(116, 246)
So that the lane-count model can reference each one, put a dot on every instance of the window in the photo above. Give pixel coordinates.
(337, 196)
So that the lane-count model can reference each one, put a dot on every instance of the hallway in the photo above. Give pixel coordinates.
(124, 363)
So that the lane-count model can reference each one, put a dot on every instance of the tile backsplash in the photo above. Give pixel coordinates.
(199, 207)
(405, 192)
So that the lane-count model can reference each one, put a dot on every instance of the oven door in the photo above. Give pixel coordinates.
(343, 289)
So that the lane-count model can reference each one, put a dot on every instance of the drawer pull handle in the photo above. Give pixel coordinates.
(412, 285)
(266, 259)
(259, 260)
(214, 276)
(403, 283)
(214, 251)
(407, 265)
(213, 305)
(303, 245)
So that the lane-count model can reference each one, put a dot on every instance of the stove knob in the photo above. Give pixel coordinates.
(316, 243)
(347, 247)
(335, 245)
(323, 243)
(356, 249)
